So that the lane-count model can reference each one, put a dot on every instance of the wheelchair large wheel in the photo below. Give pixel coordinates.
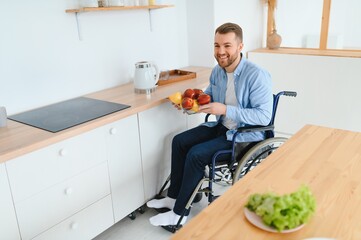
(256, 155)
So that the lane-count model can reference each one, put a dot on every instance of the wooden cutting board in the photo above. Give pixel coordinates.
(177, 75)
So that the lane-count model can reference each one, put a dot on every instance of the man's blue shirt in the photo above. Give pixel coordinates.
(253, 90)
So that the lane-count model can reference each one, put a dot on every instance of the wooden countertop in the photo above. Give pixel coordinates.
(17, 139)
(327, 160)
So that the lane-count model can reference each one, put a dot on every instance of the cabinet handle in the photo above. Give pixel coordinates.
(74, 225)
(113, 131)
(63, 152)
(68, 191)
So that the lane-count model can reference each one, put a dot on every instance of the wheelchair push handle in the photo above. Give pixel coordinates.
(289, 93)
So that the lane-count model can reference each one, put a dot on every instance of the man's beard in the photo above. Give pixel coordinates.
(229, 61)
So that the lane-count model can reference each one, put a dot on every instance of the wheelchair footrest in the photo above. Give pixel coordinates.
(205, 190)
(214, 198)
(172, 228)
(162, 210)
(158, 196)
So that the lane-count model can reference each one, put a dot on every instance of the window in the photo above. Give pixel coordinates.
(317, 24)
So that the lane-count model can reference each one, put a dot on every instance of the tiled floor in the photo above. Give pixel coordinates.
(141, 229)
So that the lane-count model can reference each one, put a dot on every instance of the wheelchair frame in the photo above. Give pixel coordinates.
(238, 166)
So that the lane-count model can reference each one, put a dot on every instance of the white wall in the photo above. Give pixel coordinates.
(328, 90)
(201, 28)
(204, 16)
(246, 13)
(42, 61)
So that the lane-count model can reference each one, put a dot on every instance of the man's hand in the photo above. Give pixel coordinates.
(214, 108)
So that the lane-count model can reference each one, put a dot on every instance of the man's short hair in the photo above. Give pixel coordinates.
(231, 27)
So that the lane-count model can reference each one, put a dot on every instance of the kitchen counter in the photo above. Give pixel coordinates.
(327, 160)
(17, 139)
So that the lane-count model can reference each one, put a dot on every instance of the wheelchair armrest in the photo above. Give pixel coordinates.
(256, 128)
(206, 118)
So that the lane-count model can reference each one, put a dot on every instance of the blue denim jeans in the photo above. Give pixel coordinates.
(192, 151)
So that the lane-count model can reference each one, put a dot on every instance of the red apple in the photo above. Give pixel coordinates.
(203, 99)
(187, 103)
(189, 93)
(197, 92)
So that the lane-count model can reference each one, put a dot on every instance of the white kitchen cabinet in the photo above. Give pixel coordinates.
(34, 172)
(157, 128)
(125, 166)
(8, 225)
(84, 225)
(56, 182)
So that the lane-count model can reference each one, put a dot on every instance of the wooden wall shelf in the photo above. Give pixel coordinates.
(94, 9)
(312, 51)
(97, 9)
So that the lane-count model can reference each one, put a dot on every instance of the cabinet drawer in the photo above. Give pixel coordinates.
(86, 224)
(39, 170)
(48, 208)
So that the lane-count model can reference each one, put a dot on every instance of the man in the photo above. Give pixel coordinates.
(241, 95)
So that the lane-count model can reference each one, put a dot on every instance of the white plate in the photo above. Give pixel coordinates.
(258, 222)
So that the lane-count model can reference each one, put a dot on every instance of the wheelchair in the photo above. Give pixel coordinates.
(242, 160)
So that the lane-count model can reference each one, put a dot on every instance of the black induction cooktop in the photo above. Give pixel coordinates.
(59, 116)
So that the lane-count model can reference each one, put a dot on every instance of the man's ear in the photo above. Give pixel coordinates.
(240, 46)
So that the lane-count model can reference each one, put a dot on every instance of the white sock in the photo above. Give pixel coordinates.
(167, 218)
(166, 202)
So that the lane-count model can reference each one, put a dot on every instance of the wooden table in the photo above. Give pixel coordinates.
(327, 160)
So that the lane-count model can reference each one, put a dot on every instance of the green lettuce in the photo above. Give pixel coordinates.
(283, 212)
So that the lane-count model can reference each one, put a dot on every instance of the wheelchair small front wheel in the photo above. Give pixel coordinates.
(198, 197)
(256, 155)
(132, 215)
